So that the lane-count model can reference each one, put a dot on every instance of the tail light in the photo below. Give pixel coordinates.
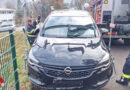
(112, 33)
(108, 33)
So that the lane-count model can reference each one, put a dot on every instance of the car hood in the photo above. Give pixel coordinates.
(68, 52)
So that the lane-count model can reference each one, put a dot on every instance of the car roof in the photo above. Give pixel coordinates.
(70, 13)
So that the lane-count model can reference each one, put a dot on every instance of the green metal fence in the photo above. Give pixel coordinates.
(12, 49)
(8, 62)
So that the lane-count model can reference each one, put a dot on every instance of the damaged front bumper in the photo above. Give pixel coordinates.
(97, 79)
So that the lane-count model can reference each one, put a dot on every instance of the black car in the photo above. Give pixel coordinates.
(69, 53)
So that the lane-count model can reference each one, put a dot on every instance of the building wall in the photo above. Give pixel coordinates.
(7, 16)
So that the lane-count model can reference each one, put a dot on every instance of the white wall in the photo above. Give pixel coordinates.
(7, 16)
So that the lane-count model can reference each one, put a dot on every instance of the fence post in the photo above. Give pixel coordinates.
(12, 42)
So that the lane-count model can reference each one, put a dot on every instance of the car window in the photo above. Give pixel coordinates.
(52, 21)
(69, 27)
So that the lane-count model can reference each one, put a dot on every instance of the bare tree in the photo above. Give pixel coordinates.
(78, 4)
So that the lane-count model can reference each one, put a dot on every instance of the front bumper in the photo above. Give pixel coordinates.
(96, 80)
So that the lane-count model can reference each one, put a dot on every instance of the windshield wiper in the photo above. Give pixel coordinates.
(94, 45)
(55, 26)
(81, 27)
(50, 27)
(79, 30)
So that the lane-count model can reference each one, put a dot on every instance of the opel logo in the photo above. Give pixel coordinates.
(68, 70)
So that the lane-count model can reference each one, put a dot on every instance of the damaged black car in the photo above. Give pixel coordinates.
(69, 53)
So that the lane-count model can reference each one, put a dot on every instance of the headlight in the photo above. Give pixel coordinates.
(104, 62)
(32, 60)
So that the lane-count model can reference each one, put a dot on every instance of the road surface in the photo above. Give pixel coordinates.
(120, 52)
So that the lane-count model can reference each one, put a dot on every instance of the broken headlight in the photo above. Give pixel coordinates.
(105, 62)
(32, 60)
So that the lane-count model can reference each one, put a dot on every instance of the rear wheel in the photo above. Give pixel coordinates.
(127, 41)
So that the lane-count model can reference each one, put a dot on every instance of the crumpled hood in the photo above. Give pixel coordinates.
(68, 52)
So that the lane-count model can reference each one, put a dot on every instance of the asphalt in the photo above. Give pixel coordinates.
(119, 52)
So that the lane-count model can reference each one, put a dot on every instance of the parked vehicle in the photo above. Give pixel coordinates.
(102, 13)
(69, 53)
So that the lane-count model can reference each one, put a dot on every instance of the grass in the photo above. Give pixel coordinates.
(20, 50)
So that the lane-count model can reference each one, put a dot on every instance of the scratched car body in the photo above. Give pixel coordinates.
(69, 53)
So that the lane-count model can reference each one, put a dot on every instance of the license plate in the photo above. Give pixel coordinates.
(67, 83)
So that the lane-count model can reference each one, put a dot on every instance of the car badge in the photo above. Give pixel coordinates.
(68, 70)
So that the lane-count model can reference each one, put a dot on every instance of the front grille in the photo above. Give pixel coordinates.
(75, 74)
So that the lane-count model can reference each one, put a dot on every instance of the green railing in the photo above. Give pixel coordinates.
(12, 49)
(8, 62)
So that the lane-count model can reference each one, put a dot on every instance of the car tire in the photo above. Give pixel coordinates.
(127, 42)
(34, 87)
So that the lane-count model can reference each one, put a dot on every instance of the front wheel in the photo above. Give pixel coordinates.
(127, 41)
(34, 87)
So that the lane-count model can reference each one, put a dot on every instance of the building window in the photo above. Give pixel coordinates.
(125, 1)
